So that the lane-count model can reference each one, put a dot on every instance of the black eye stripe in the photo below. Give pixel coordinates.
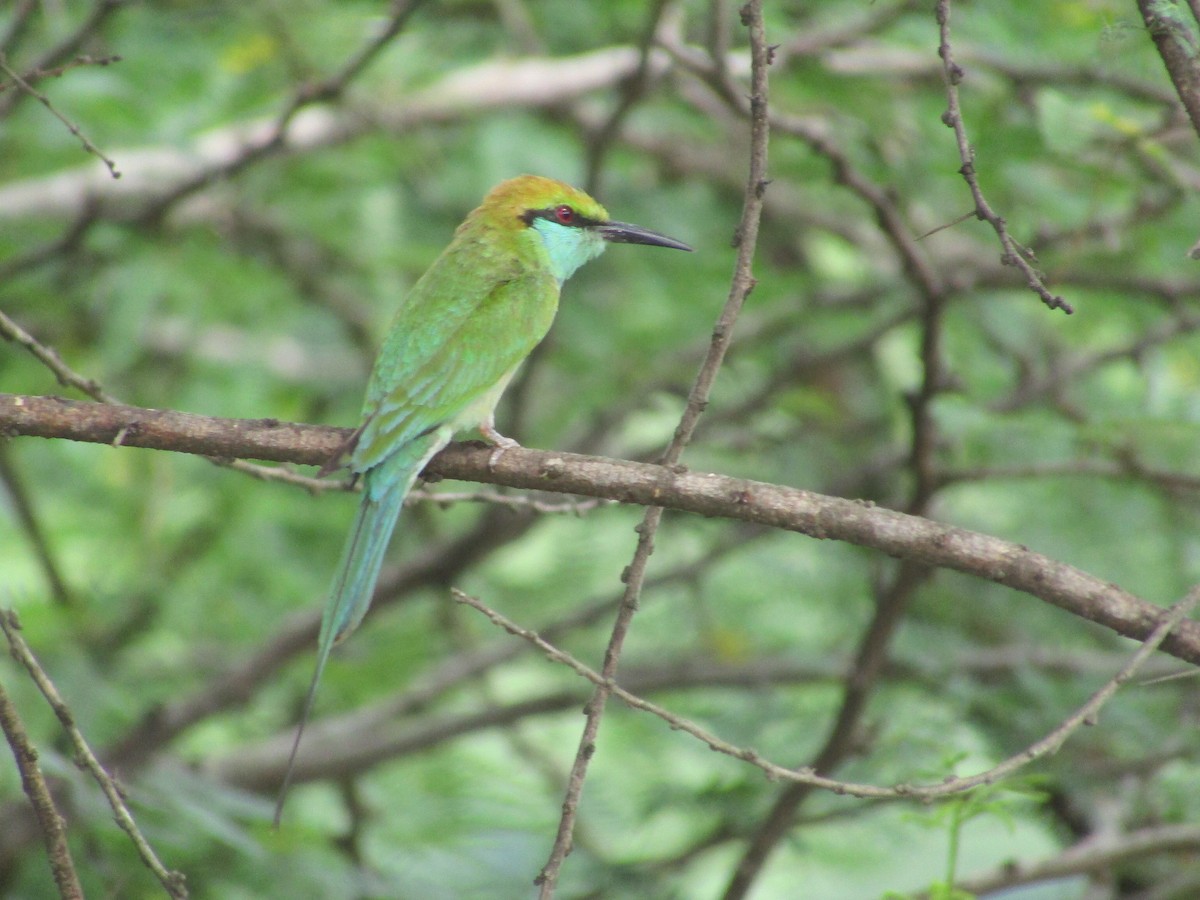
(550, 214)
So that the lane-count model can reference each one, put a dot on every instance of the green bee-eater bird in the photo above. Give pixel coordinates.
(457, 339)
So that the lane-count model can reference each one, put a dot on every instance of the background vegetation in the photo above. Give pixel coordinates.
(287, 169)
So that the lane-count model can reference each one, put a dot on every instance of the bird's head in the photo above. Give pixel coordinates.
(571, 226)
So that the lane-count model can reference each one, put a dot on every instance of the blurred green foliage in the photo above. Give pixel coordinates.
(264, 294)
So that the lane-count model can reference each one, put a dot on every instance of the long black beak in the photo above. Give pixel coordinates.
(624, 233)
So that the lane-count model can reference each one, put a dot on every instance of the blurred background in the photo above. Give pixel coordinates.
(288, 169)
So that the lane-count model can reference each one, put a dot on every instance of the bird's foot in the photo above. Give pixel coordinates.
(502, 443)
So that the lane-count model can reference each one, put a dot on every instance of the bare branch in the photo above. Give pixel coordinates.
(71, 126)
(59, 71)
(64, 49)
(50, 822)
(746, 241)
(671, 487)
(48, 356)
(808, 776)
(158, 429)
(1089, 856)
(173, 882)
(1175, 40)
(634, 89)
(1014, 253)
(326, 753)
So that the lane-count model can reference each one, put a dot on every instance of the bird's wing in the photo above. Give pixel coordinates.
(466, 325)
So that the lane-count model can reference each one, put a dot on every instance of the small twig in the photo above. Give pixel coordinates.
(1085, 715)
(172, 881)
(956, 221)
(58, 71)
(48, 356)
(71, 126)
(573, 507)
(52, 826)
(335, 85)
(64, 49)
(1094, 858)
(1014, 254)
(281, 475)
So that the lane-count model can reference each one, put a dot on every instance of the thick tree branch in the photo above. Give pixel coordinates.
(160, 429)
(816, 515)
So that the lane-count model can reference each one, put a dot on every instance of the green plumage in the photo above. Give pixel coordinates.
(442, 357)
(455, 342)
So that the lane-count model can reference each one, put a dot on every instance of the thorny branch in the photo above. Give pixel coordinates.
(261, 767)
(58, 71)
(746, 241)
(56, 55)
(172, 881)
(50, 821)
(1086, 714)
(29, 89)
(1014, 254)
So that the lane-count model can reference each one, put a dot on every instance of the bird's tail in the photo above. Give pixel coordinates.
(384, 490)
(362, 557)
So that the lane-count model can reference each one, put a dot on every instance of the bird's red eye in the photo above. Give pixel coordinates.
(564, 214)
